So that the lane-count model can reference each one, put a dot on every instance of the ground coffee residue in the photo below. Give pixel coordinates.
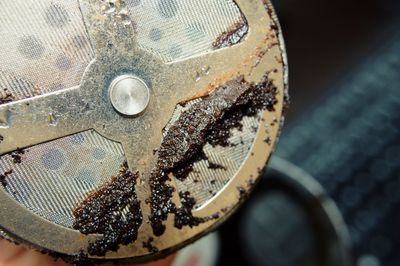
(184, 216)
(208, 121)
(6, 96)
(3, 177)
(215, 166)
(16, 156)
(113, 211)
(182, 171)
(232, 36)
(261, 96)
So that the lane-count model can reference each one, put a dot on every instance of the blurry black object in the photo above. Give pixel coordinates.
(290, 221)
(350, 142)
(325, 39)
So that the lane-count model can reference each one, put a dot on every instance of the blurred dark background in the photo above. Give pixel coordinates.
(325, 40)
(343, 128)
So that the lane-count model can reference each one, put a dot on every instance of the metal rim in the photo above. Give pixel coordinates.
(64, 241)
(304, 185)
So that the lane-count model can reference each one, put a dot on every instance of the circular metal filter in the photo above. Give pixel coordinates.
(130, 128)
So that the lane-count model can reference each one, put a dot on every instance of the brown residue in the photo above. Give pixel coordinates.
(233, 35)
(16, 156)
(208, 121)
(113, 211)
(3, 177)
(6, 96)
(215, 166)
(184, 215)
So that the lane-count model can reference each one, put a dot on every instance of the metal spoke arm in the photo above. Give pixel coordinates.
(41, 119)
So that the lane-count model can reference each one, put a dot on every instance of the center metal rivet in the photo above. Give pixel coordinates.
(129, 95)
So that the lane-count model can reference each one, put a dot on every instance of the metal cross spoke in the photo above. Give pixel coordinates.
(36, 120)
(106, 24)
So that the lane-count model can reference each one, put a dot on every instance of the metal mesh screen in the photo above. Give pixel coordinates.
(204, 182)
(44, 46)
(52, 178)
(178, 29)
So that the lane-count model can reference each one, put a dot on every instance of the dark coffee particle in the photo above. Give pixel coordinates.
(182, 170)
(215, 166)
(184, 216)
(113, 211)
(242, 193)
(16, 156)
(149, 245)
(6, 96)
(3, 177)
(225, 209)
(160, 201)
(261, 96)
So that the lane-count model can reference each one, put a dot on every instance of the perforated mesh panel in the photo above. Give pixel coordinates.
(44, 46)
(204, 182)
(178, 29)
(54, 177)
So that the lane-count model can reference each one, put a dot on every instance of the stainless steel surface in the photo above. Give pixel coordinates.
(48, 184)
(129, 95)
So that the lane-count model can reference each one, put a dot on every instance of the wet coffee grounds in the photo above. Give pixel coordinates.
(113, 211)
(261, 96)
(6, 96)
(3, 177)
(184, 215)
(215, 166)
(16, 156)
(160, 200)
(207, 121)
(181, 171)
(232, 36)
